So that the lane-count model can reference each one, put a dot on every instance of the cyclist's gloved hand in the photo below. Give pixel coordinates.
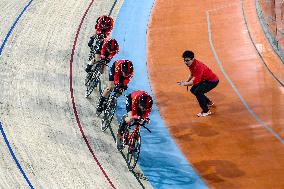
(121, 87)
(124, 87)
(106, 60)
(147, 120)
(141, 120)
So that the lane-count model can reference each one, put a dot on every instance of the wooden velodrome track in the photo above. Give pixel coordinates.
(241, 145)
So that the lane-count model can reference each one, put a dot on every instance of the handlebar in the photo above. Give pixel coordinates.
(102, 61)
(119, 89)
(137, 122)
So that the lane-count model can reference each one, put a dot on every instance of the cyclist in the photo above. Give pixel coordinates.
(104, 26)
(139, 106)
(120, 74)
(109, 49)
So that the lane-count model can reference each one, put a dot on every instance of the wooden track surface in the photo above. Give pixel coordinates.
(237, 147)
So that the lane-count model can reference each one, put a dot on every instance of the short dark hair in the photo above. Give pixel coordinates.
(188, 54)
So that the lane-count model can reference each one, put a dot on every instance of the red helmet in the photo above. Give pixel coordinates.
(105, 22)
(112, 45)
(146, 101)
(127, 67)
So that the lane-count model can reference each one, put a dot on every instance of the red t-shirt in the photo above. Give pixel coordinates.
(105, 53)
(118, 77)
(201, 72)
(135, 99)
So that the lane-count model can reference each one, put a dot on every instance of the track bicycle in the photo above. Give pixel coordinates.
(132, 139)
(92, 79)
(111, 107)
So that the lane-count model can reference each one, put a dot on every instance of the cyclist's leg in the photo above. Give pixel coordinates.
(92, 62)
(124, 123)
(105, 96)
(121, 130)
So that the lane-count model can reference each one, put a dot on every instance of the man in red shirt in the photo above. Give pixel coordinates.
(138, 106)
(120, 74)
(202, 80)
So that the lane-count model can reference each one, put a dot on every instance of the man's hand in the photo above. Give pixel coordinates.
(181, 83)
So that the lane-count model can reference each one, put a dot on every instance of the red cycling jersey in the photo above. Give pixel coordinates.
(135, 105)
(201, 72)
(117, 74)
(100, 30)
(105, 53)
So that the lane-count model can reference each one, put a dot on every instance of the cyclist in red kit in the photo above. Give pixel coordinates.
(120, 74)
(202, 80)
(138, 106)
(103, 27)
(109, 49)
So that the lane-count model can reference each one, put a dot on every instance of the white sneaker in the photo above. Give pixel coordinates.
(203, 114)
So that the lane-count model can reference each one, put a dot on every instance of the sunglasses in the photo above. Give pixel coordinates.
(188, 59)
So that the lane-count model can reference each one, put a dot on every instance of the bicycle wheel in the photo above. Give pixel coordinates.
(88, 78)
(100, 87)
(93, 83)
(133, 151)
(108, 113)
(90, 87)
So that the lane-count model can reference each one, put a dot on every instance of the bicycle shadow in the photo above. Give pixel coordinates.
(185, 131)
(164, 165)
(164, 172)
(136, 173)
(217, 171)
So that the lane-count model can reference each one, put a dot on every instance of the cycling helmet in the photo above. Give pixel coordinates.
(127, 67)
(146, 101)
(105, 22)
(112, 45)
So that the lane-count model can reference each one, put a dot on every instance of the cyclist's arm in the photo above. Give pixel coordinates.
(146, 114)
(96, 59)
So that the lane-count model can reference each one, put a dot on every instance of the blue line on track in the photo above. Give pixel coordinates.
(1, 127)
(14, 157)
(13, 26)
(160, 159)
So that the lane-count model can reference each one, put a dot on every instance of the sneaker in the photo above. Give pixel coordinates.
(210, 104)
(203, 114)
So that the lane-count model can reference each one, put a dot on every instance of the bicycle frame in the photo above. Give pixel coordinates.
(93, 78)
(133, 140)
(133, 135)
(110, 108)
